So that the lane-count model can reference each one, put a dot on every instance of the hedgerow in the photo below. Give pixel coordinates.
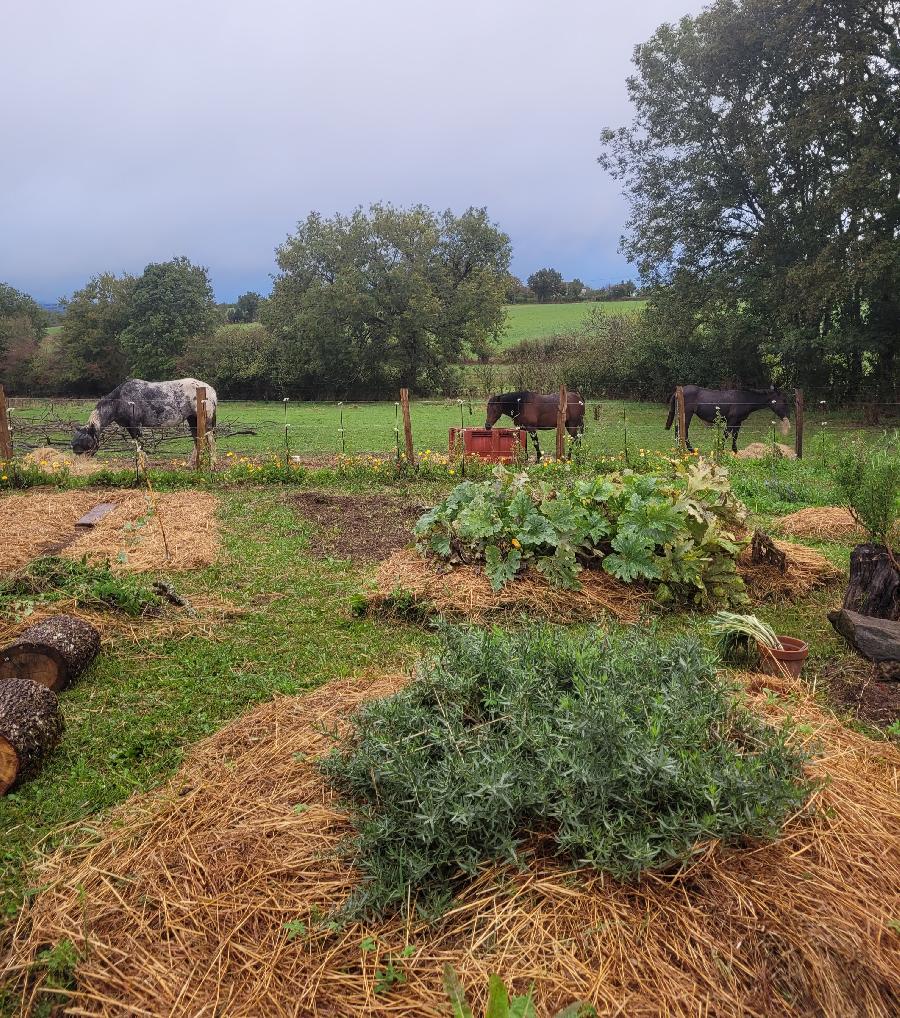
(677, 532)
(626, 753)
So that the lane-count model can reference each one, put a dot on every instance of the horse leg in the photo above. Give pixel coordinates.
(687, 429)
(537, 444)
(734, 429)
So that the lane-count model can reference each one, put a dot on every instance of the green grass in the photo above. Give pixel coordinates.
(536, 321)
(315, 428)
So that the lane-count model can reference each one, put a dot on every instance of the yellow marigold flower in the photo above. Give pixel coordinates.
(4, 478)
(515, 543)
(452, 471)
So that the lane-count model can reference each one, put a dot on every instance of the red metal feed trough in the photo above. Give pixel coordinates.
(499, 444)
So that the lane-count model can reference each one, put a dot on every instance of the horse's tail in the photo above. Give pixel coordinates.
(671, 418)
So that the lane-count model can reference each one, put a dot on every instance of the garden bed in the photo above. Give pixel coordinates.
(408, 583)
(826, 523)
(39, 521)
(806, 569)
(214, 894)
(363, 528)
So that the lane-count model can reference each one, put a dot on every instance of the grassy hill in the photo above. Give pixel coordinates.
(533, 321)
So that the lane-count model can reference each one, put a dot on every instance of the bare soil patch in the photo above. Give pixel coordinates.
(364, 528)
(853, 684)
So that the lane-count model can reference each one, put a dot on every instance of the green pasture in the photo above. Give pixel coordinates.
(356, 428)
(537, 321)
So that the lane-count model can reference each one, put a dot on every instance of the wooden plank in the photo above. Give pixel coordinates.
(798, 423)
(96, 514)
(682, 427)
(561, 423)
(407, 426)
(201, 445)
(6, 446)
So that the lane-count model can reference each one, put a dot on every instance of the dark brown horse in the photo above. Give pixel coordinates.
(536, 411)
(734, 406)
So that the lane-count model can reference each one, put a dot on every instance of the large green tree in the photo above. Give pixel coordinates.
(170, 302)
(22, 325)
(386, 297)
(762, 170)
(246, 309)
(546, 284)
(88, 356)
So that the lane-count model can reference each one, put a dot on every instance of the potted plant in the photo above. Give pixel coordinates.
(748, 641)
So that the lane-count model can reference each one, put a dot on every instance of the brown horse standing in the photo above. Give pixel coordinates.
(537, 411)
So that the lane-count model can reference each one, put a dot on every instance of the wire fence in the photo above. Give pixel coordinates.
(307, 429)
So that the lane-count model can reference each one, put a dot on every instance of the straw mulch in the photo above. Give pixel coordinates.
(759, 450)
(827, 523)
(178, 904)
(806, 570)
(465, 592)
(37, 522)
(209, 612)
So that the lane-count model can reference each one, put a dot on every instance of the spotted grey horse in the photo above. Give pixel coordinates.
(734, 406)
(136, 404)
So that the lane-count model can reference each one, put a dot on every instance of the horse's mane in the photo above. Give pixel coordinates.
(511, 402)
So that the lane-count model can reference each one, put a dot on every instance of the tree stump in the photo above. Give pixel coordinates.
(52, 653)
(874, 583)
(31, 725)
(763, 551)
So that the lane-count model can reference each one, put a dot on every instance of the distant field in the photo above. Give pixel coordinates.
(534, 321)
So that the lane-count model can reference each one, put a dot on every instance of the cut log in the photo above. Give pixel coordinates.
(52, 653)
(876, 639)
(874, 583)
(31, 725)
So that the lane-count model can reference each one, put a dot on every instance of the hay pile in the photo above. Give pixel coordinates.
(465, 592)
(178, 904)
(759, 450)
(828, 523)
(806, 570)
(48, 459)
(38, 522)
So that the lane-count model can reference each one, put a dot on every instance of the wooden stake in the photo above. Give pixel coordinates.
(407, 426)
(798, 423)
(6, 446)
(682, 427)
(561, 423)
(201, 446)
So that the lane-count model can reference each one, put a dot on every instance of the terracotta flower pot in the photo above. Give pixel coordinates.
(789, 660)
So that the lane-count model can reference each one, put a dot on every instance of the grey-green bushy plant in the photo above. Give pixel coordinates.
(625, 752)
(869, 482)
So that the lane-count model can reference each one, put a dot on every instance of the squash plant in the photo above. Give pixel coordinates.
(677, 533)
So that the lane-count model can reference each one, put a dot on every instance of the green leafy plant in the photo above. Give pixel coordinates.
(870, 485)
(677, 534)
(625, 752)
(499, 1003)
(53, 578)
(738, 637)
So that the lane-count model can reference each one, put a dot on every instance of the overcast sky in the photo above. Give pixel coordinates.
(132, 132)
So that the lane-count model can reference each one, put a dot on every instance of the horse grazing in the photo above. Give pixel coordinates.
(733, 405)
(535, 411)
(136, 404)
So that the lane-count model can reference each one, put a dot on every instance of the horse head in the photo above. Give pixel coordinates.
(85, 441)
(495, 411)
(780, 409)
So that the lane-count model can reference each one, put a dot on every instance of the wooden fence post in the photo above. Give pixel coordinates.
(6, 446)
(561, 423)
(407, 426)
(682, 427)
(201, 446)
(798, 423)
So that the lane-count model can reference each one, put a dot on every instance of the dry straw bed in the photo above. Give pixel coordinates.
(465, 592)
(178, 905)
(806, 570)
(37, 522)
(828, 523)
(49, 459)
(759, 451)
